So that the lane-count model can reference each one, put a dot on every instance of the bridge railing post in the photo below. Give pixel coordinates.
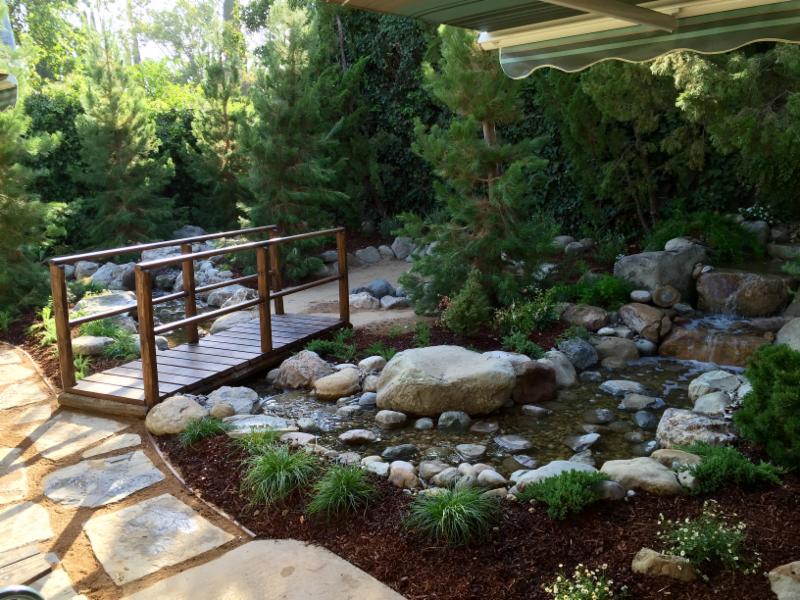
(190, 310)
(264, 312)
(58, 283)
(147, 342)
(275, 265)
(344, 284)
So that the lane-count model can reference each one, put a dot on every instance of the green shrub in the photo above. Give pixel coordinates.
(82, 365)
(422, 335)
(708, 540)
(395, 331)
(770, 415)
(568, 492)
(341, 489)
(44, 330)
(519, 342)
(201, 429)
(730, 242)
(469, 311)
(528, 316)
(583, 584)
(379, 348)
(276, 472)
(124, 346)
(454, 516)
(574, 331)
(792, 267)
(5, 320)
(609, 248)
(258, 441)
(606, 291)
(340, 346)
(725, 466)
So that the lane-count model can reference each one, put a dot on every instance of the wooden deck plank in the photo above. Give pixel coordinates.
(216, 359)
(22, 566)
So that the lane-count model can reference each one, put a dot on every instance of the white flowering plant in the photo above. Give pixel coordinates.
(584, 584)
(757, 212)
(709, 539)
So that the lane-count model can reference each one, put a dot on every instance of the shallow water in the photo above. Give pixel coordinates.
(665, 378)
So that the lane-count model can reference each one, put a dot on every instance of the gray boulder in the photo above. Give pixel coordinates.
(402, 247)
(90, 345)
(790, 335)
(85, 268)
(242, 399)
(302, 370)
(580, 353)
(674, 267)
(453, 420)
(369, 255)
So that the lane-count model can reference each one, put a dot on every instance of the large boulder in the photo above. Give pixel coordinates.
(429, 381)
(580, 353)
(714, 381)
(364, 301)
(651, 270)
(90, 345)
(740, 293)
(338, 385)
(85, 268)
(680, 427)
(93, 305)
(720, 347)
(302, 370)
(225, 322)
(551, 469)
(173, 415)
(112, 276)
(643, 474)
(648, 321)
(617, 348)
(565, 371)
(790, 335)
(652, 563)
(222, 295)
(536, 383)
(584, 315)
(785, 581)
(402, 247)
(242, 399)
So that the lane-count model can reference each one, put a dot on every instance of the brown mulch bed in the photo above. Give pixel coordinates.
(523, 552)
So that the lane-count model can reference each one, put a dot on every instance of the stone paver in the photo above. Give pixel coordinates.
(118, 442)
(272, 570)
(13, 476)
(14, 373)
(141, 539)
(22, 524)
(57, 586)
(33, 414)
(18, 395)
(101, 481)
(70, 432)
(8, 356)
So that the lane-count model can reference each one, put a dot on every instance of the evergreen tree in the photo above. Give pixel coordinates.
(290, 176)
(23, 282)
(123, 176)
(214, 159)
(487, 213)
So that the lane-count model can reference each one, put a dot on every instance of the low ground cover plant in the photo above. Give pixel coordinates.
(124, 346)
(201, 429)
(520, 342)
(258, 441)
(422, 335)
(770, 415)
(340, 346)
(82, 365)
(583, 584)
(709, 540)
(565, 493)
(44, 329)
(468, 310)
(275, 472)
(604, 290)
(724, 466)
(341, 489)
(526, 316)
(730, 242)
(380, 348)
(453, 516)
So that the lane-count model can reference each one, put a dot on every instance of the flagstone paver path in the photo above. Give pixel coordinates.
(85, 494)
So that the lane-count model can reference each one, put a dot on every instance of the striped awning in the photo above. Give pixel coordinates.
(709, 33)
(574, 34)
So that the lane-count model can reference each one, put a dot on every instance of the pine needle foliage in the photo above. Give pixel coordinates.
(724, 466)
(487, 211)
(454, 516)
(121, 171)
(340, 490)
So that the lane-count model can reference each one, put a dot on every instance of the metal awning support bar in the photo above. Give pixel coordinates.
(630, 13)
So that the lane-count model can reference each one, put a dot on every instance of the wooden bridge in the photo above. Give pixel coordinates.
(203, 362)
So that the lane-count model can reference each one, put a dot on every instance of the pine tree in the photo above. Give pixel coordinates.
(214, 159)
(290, 176)
(123, 176)
(23, 281)
(488, 219)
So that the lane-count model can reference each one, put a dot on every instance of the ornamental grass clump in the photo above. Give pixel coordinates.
(455, 516)
(341, 489)
(583, 584)
(258, 441)
(709, 540)
(201, 429)
(276, 472)
(565, 493)
(725, 466)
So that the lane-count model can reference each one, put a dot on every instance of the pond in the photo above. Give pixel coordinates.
(573, 413)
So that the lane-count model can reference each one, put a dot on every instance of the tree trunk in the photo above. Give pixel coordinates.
(136, 57)
(340, 29)
(227, 10)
